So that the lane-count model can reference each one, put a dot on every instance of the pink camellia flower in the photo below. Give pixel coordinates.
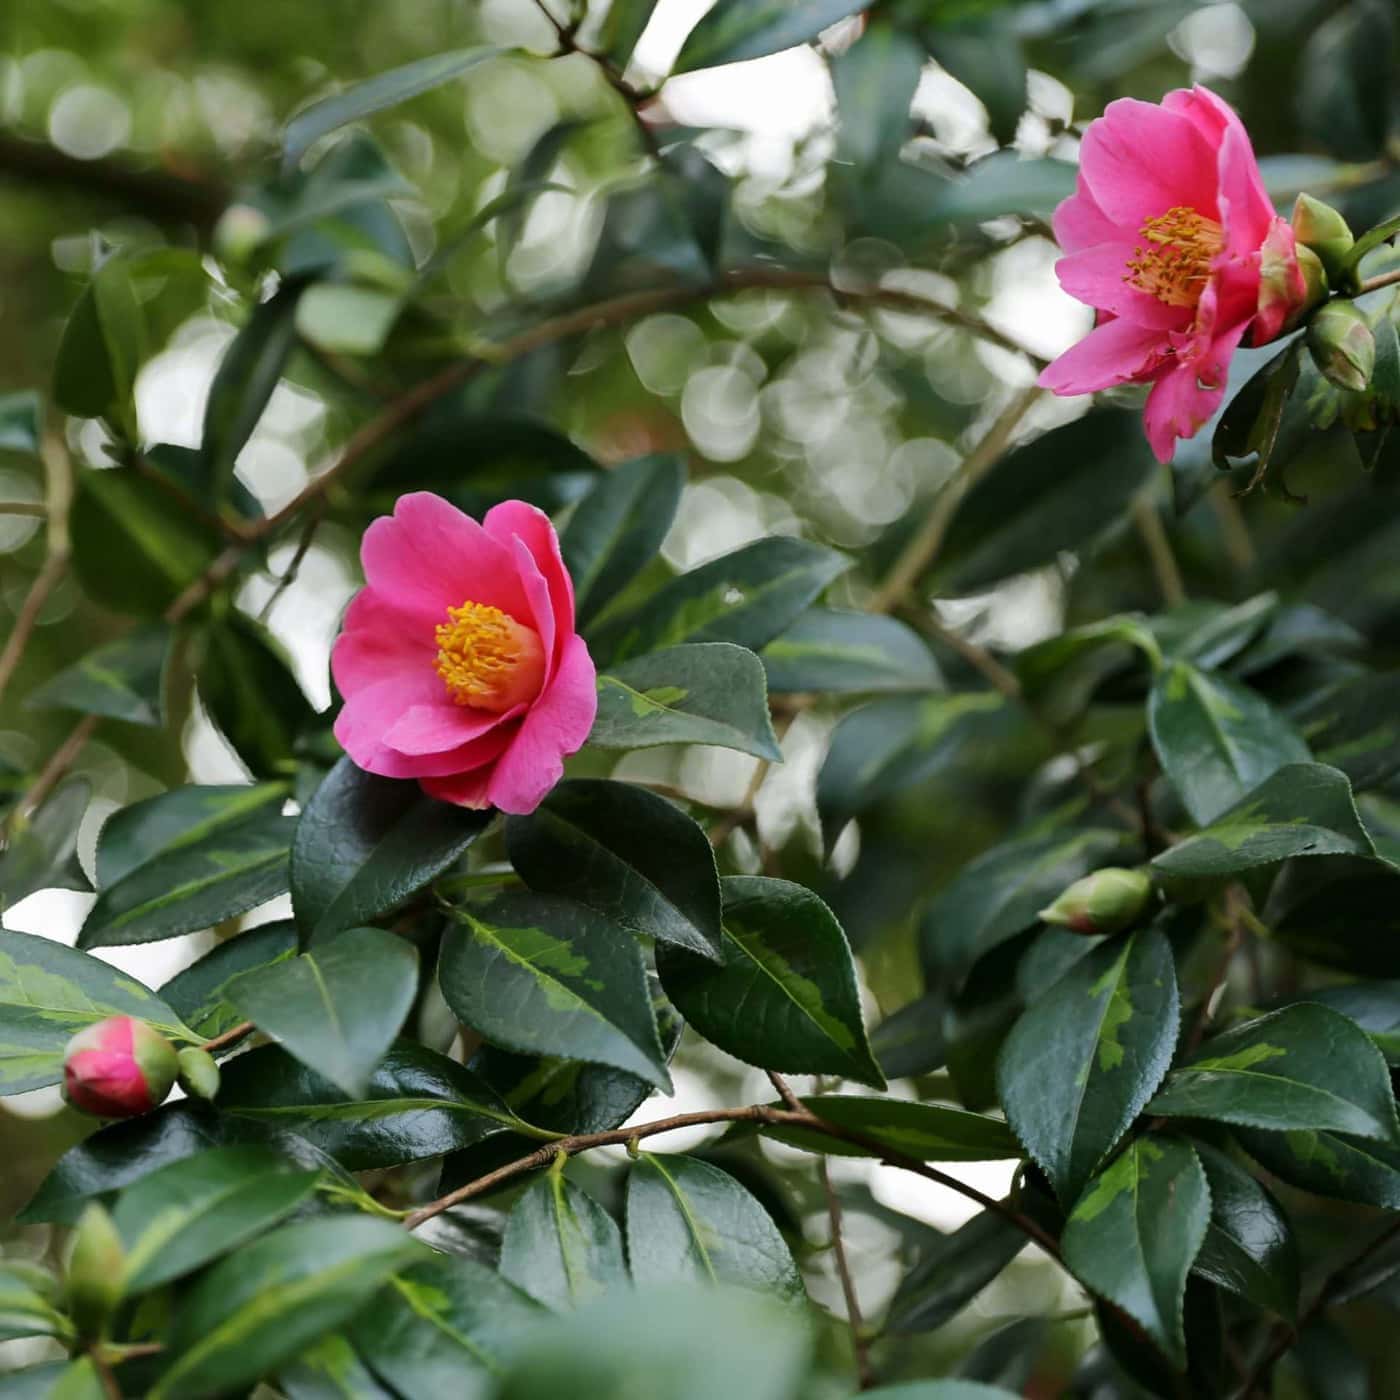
(118, 1068)
(458, 660)
(1171, 236)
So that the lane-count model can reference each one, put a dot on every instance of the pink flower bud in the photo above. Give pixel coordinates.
(118, 1068)
(1291, 280)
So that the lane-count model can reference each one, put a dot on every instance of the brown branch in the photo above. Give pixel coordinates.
(1374, 284)
(228, 1037)
(855, 1320)
(35, 508)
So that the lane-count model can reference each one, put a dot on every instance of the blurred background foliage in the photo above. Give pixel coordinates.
(914, 156)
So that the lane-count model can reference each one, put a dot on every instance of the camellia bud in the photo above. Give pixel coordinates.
(96, 1269)
(118, 1068)
(1291, 283)
(1321, 228)
(1105, 902)
(199, 1073)
(1342, 345)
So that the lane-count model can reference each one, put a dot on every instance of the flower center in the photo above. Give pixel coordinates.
(1173, 261)
(487, 659)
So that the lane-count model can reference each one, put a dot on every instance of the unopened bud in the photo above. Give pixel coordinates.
(96, 1270)
(1342, 345)
(118, 1068)
(1105, 902)
(199, 1074)
(1291, 283)
(1321, 228)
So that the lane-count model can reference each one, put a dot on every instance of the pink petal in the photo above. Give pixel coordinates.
(1113, 353)
(517, 520)
(437, 726)
(1080, 223)
(1140, 160)
(1211, 115)
(461, 789)
(428, 557)
(1246, 210)
(536, 590)
(557, 726)
(1098, 277)
(378, 640)
(1186, 397)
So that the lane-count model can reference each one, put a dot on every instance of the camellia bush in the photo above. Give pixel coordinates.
(534, 631)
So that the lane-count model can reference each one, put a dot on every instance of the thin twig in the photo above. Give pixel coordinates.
(308, 533)
(919, 554)
(785, 1092)
(855, 1320)
(108, 1381)
(1374, 284)
(229, 1037)
(1159, 551)
(37, 508)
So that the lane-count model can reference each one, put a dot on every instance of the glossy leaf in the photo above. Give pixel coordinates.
(1304, 1068)
(265, 1302)
(122, 680)
(1081, 1062)
(185, 1214)
(418, 1104)
(1305, 809)
(848, 652)
(1135, 1233)
(1334, 1165)
(785, 997)
(561, 1247)
(444, 1327)
(747, 597)
(194, 884)
(627, 853)
(690, 1221)
(925, 1131)
(330, 1370)
(338, 1007)
(375, 94)
(735, 30)
(617, 529)
(1374, 1006)
(705, 693)
(1354, 727)
(1216, 739)
(200, 993)
(951, 1270)
(365, 844)
(48, 993)
(544, 975)
(1249, 1246)
(43, 851)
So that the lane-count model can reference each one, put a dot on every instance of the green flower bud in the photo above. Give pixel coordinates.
(1342, 345)
(1321, 228)
(96, 1270)
(199, 1073)
(1105, 902)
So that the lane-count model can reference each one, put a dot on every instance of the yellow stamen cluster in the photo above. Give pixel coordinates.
(1173, 262)
(486, 658)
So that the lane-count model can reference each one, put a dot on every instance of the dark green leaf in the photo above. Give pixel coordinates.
(561, 1247)
(365, 844)
(707, 693)
(927, 1132)
(1216, 739)
(444, 1328)
(122, 680)
(1305, 809)
(21, 417)
(247, 686)
(331, 1370)
(1081, 1062)
(688, 1221)
(1135, 1232)
(48, 993)
(848, 652)
(199, 993)
(629, 854)
(375, 94)
(1374, 1006)
(875, 81)
(418, 1104)
(1249, 1246)
(910, 1041)
(952, 1270)
(338, 1007)
(1303, 1068)
(185, 1214)
(785, 997)
(735, 30)
(1344, 96)
(1354, 727)
(1340, 912)
(43, 851)
(249, 371)
(622, 27)
(1330, 1164)
(617, 528)
(194, 884)
(1059, 492)
(545, 975)
(1000, 894)
(102, 348)
(1005, 183)
(747, 597)
(269, 1300)
(135, 544)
